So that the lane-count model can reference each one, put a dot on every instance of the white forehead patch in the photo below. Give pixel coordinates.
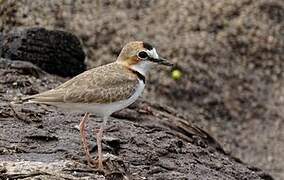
(153, 53)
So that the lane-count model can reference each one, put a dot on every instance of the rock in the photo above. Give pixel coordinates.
(230, 53)
(56, 52)
(155, 142)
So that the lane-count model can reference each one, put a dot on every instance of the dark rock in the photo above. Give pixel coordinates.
(154, 141)
(56, 52)
(229, 51)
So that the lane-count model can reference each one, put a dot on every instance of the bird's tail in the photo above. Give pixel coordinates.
(21, 100)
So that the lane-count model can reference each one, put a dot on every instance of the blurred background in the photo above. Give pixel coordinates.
(229, 57)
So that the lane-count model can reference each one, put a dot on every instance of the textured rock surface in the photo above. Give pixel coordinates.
(56, 52)
(230, 53)
(146, 141)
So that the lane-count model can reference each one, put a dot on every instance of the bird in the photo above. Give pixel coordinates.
(104, 90)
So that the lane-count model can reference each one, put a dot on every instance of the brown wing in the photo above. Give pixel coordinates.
(104, 84)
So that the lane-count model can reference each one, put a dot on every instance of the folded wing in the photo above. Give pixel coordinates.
(104, 84)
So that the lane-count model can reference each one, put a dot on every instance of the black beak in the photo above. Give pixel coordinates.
(161, 61)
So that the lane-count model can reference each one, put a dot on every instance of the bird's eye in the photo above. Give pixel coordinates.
(142, 55)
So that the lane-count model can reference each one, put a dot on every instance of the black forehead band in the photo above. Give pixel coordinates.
(147, 46)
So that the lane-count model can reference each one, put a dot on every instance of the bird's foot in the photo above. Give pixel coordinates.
(97, 165)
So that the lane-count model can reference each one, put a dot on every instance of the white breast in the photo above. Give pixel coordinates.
(103, 109)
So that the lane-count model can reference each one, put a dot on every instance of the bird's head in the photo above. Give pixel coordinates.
(140, 56)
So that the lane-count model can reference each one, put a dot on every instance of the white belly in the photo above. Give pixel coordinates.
(102, 109)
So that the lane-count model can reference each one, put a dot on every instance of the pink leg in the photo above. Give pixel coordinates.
(82, 126)
(99, 137)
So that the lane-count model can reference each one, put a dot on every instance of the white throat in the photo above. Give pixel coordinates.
(144, 66)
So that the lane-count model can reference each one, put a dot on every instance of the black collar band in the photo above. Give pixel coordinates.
(140, 76)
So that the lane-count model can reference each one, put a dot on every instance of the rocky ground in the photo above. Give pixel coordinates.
(145, 141)
(230, 54)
